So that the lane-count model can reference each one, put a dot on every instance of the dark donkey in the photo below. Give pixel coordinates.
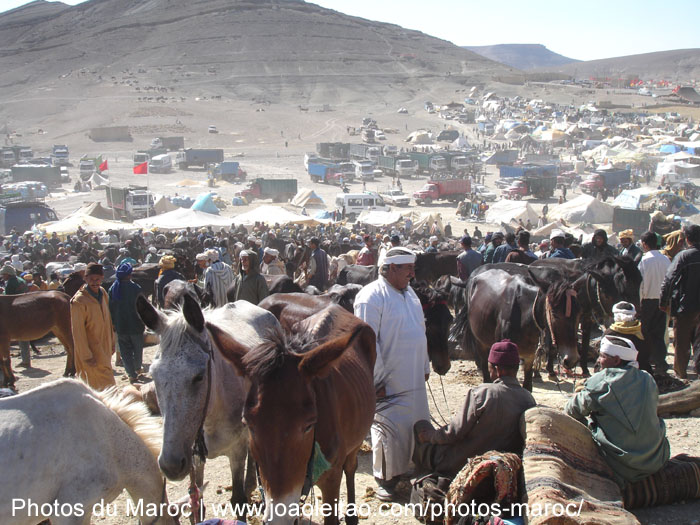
(500, 305)
(311, 398)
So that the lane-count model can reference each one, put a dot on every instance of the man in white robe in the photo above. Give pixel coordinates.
(394, 312)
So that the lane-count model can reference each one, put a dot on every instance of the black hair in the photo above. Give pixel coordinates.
(692, 233)
(649, 238)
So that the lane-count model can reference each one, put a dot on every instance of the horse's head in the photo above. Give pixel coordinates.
(616, 279)
(180, 374)
(628, 279)
(281, 410)
(437, 325)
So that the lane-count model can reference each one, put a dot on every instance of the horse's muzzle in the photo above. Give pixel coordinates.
(173, 467)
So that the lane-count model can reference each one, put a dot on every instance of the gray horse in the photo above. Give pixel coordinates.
(187, 369)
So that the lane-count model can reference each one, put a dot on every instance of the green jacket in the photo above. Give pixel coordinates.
(15, 285)
(124, 316)
(619, 405)
(251, 288)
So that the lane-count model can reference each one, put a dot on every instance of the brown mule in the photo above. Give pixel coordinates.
(313, 389)
(31, 316)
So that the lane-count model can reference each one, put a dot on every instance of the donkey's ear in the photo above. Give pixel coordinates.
(193, 313)
(539, 280)
(231, 349)
(151, 317)
(319, 361)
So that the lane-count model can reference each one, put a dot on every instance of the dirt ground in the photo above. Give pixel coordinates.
(682, 434)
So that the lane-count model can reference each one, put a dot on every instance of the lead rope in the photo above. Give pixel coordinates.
(436, 408)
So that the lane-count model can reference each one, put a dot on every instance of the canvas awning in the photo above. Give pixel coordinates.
(379, 218)
(583, 208)
(270, 214)
(507, 210)
(70, 225)
(182, 218)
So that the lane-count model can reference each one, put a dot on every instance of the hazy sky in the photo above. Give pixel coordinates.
(582, 30)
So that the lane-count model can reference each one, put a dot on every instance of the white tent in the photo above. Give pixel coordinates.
(270, 214)
(379, 218)
(182, 218)
(69, 225)
(506, 210)
(306, 197)
(583, 208)
(419, 137)
(98, 182)
(164, 205)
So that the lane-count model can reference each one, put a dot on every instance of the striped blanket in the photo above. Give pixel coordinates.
(679, 480)
(562, 467)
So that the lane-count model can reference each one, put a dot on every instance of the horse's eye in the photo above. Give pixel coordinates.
(198, 378)
(308, 427)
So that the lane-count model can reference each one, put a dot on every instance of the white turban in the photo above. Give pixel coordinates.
(624, 312)
(202, 256)
(213, 255)
(433, 239)
(626, 353)
(399, 256)
(271, 251)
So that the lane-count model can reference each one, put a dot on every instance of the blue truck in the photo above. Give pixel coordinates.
(331, 172)
(19, 214)
(229, 171)
(605, 180)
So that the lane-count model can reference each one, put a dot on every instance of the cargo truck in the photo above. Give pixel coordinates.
(329, 172)
(403, 167)
(130, 203)
(168, 143)
(606, 180)
(364, 170)
(198, 157)
(539, 186)
(368, 136)
(527, 170)
(59, 155)
(453, 190)
(229, 171)
(49, 175)
(364, 151)
(279, 190)
(429, 163)
(333, 150)
(7, 157)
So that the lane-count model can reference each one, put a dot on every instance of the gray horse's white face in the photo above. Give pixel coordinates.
(181, 379)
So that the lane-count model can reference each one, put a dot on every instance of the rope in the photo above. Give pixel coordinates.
(436, 407)
(444, 396)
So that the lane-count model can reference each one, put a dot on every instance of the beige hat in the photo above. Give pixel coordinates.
(556, 234)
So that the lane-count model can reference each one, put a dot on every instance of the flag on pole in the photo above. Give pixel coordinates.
(141, 169)
(103, 166)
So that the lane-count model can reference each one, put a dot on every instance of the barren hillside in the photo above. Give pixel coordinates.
(522, 56)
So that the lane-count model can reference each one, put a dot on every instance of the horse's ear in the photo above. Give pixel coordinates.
(151, 317)
(231, 349)
(319, 361)
(539, 281)
(193, 313)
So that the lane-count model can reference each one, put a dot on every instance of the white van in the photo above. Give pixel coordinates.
(160, 164)
(352, 204)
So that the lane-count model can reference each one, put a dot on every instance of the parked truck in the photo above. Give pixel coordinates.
(279, 190)
(604, 180)
(21, 215)
(59, 155)
(130, 203)
(168, 143)
(49, 175)
(364, 151)
(8, 157)
(329, 172)
(145, 155)
(430, 163)
(198, 157)
(368, 136)
(401, 166)
(229, 171)
(453, 190)
(539, 186)
(333, 150)
(364, 170)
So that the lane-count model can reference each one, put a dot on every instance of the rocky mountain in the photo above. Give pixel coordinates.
(522, 56)
(680, 65)
(239, 48)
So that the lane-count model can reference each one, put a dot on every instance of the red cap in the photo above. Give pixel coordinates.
(504, 353)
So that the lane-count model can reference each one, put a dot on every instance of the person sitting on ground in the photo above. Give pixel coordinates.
(489, 419)
(619, 406)
(628, 326)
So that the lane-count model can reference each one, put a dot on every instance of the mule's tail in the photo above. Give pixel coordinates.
(461, 331)
(136, 416)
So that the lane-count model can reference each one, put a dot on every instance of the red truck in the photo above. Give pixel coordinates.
(453, 190)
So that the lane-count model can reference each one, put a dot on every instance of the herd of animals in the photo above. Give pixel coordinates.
(298, 368)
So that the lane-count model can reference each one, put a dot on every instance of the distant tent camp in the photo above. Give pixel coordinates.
(306, 197)
(205, 203)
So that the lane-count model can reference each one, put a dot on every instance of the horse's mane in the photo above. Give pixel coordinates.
(556, 293)
(269, 357)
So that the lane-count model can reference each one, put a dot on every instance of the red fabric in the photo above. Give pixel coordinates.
(141, 169)
(103, 166)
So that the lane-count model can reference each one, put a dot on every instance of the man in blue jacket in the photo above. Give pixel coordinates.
(126, 321)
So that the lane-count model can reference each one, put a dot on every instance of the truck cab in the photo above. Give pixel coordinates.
(593, 184)
(364, 170)
(373, 154)
(437, 164)
(23, 215)
(517, 190)
(161, 164)
(406, 168)
(141, 157)
(139, 203)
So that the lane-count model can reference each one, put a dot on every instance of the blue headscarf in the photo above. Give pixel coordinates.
(123, 270)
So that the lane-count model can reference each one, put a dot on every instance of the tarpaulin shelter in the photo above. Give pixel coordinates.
(270, 214)
(95, 209)
(507, 210)
(182, 218)
(205, 203)
(419, 137)
(379, 218)
(583, 208)
(636, 198)
(164, 205)
(306, 197)
(70, 225)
